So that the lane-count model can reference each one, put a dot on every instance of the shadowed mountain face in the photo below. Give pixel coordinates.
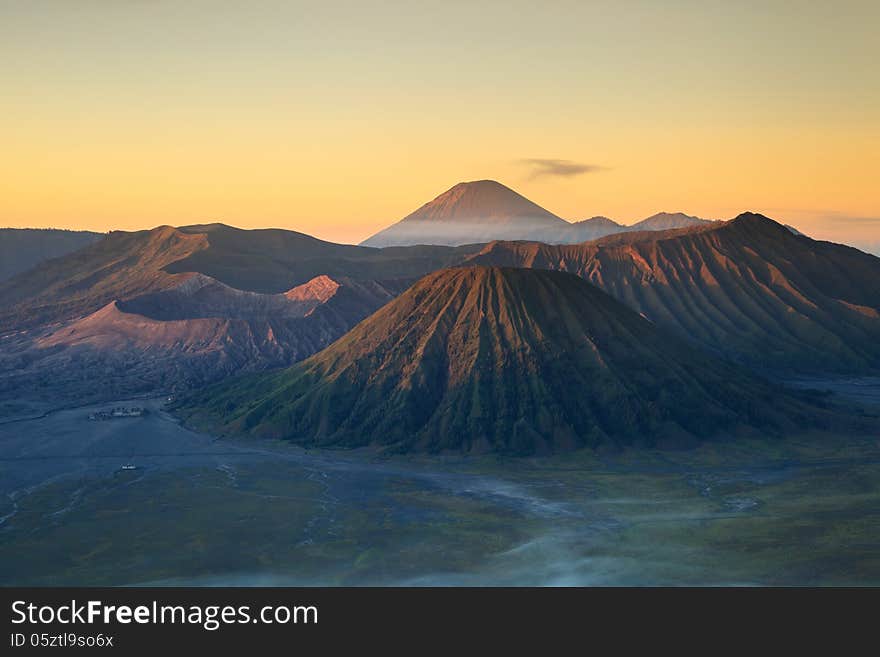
(185, 336)
(168, 309)
(509, 360)
(748, 288)
(125, 265)
(24, 248)
(120, 266)
(473, 212)
(273, 260)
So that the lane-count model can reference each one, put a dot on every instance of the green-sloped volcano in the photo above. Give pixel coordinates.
(515, 361)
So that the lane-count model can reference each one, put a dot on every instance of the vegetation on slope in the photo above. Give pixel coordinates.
(509, 360)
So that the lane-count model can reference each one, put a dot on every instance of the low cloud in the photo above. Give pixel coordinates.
(547, 168)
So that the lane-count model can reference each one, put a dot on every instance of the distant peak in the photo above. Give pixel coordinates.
(668, 220)
(485, 182)
(597, 220)
(481, 200)
(754, 218)
(469, 213)
(756, 223)
(674, 215)
(489, 187)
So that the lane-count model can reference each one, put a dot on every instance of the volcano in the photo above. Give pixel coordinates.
(668, 221)
(471, 213)
(747, 288)
(123, 265)
(514, 361)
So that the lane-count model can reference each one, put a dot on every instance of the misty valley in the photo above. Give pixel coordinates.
(201, 511)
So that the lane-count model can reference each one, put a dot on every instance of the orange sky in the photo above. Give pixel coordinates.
(340, 118)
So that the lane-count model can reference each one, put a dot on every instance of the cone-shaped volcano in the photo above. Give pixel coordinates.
(492, 359)
(472, 212)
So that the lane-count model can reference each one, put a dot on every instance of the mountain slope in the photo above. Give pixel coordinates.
(119, 266)
(469, 213)
(124, 265)
(274, 260)
(508, 360)
(747, 288)
(24, 248)
(186, 336)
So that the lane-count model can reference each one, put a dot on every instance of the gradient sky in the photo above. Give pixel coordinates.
(338, 118)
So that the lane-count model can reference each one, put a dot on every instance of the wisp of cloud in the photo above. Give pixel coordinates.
(541, 168)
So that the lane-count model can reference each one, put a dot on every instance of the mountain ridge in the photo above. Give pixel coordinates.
(747, 288)
(489, 359)
(184, 336)
(124, 264)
